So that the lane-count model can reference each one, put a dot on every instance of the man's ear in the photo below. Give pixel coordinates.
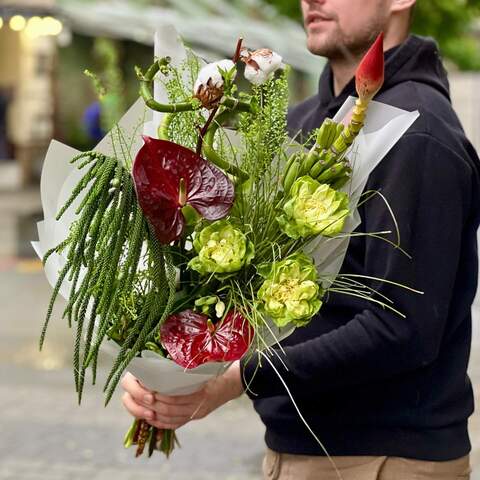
(401, 5)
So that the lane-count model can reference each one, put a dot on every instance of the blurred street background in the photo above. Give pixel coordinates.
(45, 46)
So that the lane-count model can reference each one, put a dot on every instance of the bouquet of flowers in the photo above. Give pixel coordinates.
(215, 235)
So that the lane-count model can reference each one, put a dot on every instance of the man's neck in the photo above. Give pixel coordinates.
(343, 70)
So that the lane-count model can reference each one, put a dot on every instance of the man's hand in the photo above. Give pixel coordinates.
(172, 412)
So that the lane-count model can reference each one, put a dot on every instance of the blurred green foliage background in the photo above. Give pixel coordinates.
(454, 24)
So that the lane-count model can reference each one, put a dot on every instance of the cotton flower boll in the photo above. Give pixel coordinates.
(257, 77)
(260, 65)
(210, 74)
(208, 87)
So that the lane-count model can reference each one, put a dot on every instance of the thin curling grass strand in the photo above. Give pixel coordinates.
(302, 418)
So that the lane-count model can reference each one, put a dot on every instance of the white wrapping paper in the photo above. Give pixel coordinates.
(383, 128)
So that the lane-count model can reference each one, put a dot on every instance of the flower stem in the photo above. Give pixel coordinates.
(204, 130)
(236, 56)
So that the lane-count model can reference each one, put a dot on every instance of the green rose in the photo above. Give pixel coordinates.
(290, 292)
(313, 208)
(221, 248)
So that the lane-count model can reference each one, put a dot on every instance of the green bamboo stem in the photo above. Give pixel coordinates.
(210, 153)
(164, 126)
(146, 90)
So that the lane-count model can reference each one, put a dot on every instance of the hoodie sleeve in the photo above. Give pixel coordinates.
(428, 187)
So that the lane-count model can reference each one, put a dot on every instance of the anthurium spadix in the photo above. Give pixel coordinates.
(168, 178)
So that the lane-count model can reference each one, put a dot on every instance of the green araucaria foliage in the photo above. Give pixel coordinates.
(105, 265)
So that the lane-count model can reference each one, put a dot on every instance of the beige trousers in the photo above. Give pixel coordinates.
(281, 466)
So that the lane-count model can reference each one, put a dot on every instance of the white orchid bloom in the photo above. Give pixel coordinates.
(260, 64)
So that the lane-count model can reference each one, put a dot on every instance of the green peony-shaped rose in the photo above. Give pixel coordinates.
(221, 248)
(313, 208)
(290, 292)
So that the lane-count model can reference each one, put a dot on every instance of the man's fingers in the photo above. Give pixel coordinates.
(170, 420)
(166, 414)
(141, 395)
(136, 410)
(171, 410)
(193, 398)
(159, 410)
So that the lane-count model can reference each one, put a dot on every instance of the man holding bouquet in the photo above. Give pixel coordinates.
(389, 397)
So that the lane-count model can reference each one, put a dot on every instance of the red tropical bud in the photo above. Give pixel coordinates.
(370, 73)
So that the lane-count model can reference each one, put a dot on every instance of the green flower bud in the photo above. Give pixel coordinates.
(204, 303)
(290, 292)
(209, 300)
(221, 248)
(313, 208)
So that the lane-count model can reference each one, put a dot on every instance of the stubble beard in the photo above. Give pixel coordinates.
(339, 44)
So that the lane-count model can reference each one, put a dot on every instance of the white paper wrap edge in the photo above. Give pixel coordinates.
(383, 128)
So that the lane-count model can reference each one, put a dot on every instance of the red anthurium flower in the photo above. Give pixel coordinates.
(370, 73)
(192, 339)
(168, 177)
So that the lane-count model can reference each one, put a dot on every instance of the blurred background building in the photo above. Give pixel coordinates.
(28, 46)
(45, 46)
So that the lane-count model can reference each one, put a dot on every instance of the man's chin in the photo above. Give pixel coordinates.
(319, 46)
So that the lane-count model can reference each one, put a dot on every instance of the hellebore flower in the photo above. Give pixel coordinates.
(209, 86)
(169, 179)
(192, 339)
(221, 248)
(260, 64)
(290, 292)
(313, 208)
(369, 76)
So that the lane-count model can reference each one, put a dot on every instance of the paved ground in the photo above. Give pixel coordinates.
(44, 435)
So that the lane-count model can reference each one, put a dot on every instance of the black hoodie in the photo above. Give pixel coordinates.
(368, 381)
